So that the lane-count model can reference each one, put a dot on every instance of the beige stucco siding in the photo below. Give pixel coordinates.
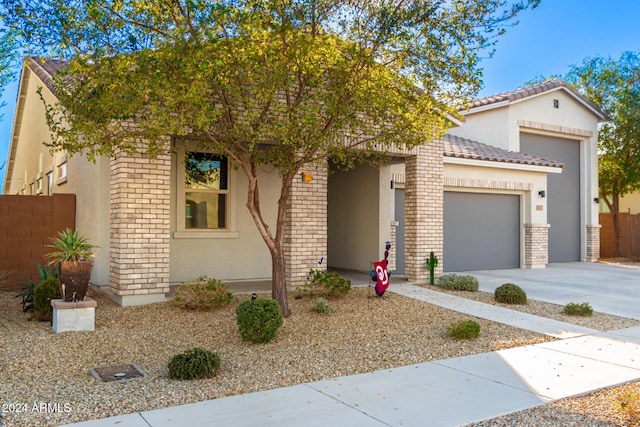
(353, 221)
(88, 181)
(237, 254)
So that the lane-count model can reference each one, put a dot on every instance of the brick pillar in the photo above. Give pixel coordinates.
(593, 243)
(305, 239)
(393, 240)
(423, 210)
(536, 245)
(139, 232)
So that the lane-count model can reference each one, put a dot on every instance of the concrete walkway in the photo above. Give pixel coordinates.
(451, 392)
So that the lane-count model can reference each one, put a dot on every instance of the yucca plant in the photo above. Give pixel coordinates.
(69, 246)
(73, 255)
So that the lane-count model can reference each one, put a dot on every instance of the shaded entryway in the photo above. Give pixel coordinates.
(481, 231)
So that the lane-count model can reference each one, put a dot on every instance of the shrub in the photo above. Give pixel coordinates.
(458, 282)
(194, 364)
(464, 329)
(28, 286)
(43, 293)
(510, 294)
(325, 283)
(202, 294)
(259, 320)
(321, 305)
(574, 309)
(629, 404)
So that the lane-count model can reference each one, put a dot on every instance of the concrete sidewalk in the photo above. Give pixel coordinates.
(486, 385)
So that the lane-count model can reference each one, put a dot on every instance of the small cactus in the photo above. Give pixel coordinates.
(431, 265)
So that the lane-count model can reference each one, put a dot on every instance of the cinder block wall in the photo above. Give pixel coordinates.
(27, 223)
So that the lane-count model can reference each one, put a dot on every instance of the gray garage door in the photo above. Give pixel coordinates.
(481, 231)
(563, 194)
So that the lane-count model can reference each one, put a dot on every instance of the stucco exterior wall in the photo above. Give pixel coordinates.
(237, 254)
(353, 220)
(502, 125)
(88, 181)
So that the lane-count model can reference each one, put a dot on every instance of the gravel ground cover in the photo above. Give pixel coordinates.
(363, 334)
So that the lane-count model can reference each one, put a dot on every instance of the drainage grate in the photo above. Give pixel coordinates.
(117, 373)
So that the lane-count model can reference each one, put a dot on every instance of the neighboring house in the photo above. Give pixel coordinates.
(483, 204)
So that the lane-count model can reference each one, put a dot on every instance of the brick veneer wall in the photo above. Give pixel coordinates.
(593, 243)
(139, 232)
(423, 209)
(536, 245)
(26, 225)
(305, 239)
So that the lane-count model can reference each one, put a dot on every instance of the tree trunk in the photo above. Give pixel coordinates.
(273, 242)
(615, 214)
(279, 282)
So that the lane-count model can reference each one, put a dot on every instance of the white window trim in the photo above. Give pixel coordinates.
(61, 179)
(181, 232)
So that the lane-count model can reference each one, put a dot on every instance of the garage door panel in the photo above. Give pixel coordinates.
(563, 194)
(481, 231)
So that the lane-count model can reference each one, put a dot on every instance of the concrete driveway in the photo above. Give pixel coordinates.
(608, 288)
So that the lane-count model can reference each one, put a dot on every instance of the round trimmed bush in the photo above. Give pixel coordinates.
(194, 364)
(464, 329)
(510, 294)
(43, 293)
(259, 320)
(458, 282)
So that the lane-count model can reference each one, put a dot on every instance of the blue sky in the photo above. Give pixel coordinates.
(547, 41)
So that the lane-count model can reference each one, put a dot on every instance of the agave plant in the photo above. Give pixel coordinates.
(69, 247)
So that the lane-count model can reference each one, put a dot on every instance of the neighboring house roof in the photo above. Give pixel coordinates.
(455, 146)
(506, 98)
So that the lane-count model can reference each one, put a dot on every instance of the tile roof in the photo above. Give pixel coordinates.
(526, 92)
(46, 69)
(455, 146)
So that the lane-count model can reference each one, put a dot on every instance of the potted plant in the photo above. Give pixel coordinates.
(72, 255)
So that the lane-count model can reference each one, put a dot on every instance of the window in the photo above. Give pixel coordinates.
(62, 171)
(206, 189)
(49, 183)
(39, 185)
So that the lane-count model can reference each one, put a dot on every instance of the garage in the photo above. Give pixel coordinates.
(481, 231)
(563, 194)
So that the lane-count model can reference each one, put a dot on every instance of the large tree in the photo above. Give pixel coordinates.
(614, 86)
(278, 83)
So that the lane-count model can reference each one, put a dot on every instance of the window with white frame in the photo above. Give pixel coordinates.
(49, 183)
(62, 172)
(206, 191)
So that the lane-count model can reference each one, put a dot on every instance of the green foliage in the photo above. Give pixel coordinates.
(259, 320)
(628, 403)
(43, 293)
(325, 283)
(613, 85)
(510, 294)
(69, 246)
(28, 286)
(458, 282)
(261, 82)
(204, 294)
(464, 329)
(321, 305)
(194, 364)
(578, 309)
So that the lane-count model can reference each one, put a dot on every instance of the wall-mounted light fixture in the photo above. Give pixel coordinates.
(392, 184)
(542, 193)
(306, 176)
(596, 199)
